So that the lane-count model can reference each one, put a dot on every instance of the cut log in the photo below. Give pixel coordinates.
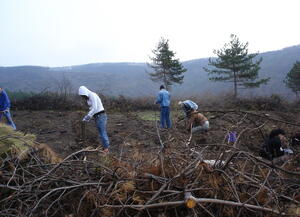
(189, 200)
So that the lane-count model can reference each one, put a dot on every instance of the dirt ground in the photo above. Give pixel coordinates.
(64, 132)
(138, 162)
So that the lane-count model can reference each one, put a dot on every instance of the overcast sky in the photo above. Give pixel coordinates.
(72, 32)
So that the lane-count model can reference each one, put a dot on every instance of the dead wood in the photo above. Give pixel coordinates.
(180, 176)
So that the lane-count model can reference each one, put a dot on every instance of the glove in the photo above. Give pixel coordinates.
(87, 118)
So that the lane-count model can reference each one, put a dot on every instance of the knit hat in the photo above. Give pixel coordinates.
(276, 132)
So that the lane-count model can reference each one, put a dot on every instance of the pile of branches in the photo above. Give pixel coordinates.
(172, 182)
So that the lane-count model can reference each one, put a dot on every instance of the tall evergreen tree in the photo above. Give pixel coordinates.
(292, 79)
(167, 68)
(234, 64)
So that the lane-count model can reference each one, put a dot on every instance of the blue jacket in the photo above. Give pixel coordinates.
(4, 101)
(163, 98)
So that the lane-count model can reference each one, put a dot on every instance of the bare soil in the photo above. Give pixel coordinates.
(64, 133)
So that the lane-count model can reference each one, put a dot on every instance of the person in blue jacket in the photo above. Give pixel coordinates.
(4, 108)
(163, 99)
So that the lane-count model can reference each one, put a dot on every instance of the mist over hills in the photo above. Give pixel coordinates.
(131, 79)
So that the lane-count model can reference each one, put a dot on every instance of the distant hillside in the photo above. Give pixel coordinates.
(131, 79)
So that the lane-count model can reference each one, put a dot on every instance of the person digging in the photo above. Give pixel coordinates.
(188, 106)
(274, 150)
(96, 111)
(197, 122)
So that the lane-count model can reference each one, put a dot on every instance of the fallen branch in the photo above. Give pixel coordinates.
(197, 200)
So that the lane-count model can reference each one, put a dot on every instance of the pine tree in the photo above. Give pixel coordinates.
(234, 64)
(292, 79)
(167, 68)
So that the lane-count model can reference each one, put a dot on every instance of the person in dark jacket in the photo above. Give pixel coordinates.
(274, 145)
(5, 108)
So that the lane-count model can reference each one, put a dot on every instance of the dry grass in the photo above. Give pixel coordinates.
(15, 142)
(19, 145)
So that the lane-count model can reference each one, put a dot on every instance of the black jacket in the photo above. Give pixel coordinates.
(274, 147)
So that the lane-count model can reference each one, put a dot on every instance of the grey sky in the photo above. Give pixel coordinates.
(71, 32)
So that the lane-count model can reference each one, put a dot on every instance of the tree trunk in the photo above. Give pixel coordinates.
(165, 81)
(235, 85)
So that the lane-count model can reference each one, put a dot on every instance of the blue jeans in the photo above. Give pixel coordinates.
(100, 121)
(9, 120)
(165, 117)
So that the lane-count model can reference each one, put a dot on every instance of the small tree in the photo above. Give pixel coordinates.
(64, 87)
(167, 68)
(234, 64)
(292, 79)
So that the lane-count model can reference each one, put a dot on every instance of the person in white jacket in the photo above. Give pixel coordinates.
(97, 111)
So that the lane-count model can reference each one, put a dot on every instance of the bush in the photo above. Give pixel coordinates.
(122, 103)
(272, 103)
(55, 101)
(47, 101)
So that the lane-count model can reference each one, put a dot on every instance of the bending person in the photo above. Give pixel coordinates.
(188, 106)
(197, 122)
(96, 110)
(273, 149)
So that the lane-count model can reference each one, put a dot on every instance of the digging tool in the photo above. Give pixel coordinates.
(83, 131)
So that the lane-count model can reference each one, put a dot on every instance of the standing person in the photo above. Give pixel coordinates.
(163, 99)
(96, 110)
(188, 106)
(4, 108)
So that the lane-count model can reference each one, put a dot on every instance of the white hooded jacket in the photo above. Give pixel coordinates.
(94, 100)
